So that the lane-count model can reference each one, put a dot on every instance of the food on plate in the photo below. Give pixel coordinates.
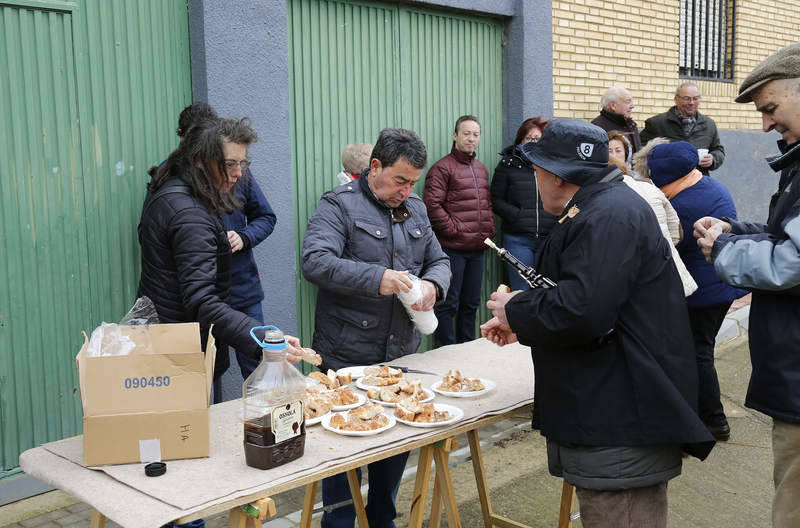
(394, 393)
(411, 410)
(309, 356)
(381, 376)
(454, 381)
(368, 417)
(383, 372)
(331, 380)
(343, 396)
(503, 289)
(316, 404)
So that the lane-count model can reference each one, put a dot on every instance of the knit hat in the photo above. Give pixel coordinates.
(783, 64)
(573, 150)
(671, 161)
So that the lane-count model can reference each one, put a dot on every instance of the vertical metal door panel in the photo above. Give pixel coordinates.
(358, 67)
(42, 230)
(89, 103)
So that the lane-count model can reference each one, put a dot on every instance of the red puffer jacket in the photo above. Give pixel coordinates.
(459, 202)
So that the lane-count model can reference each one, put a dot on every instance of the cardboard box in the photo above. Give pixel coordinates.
(151, 404)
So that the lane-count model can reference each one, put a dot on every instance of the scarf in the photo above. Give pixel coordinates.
(672, 189)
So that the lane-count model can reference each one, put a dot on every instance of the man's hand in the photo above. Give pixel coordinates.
(235, 241)
(706, 223)
(394, 282)
(497, 304)
(707, 161)
(497, 332)
(706, 231)
(428, 297)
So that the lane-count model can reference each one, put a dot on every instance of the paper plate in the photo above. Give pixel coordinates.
(364, 386)
(428, 397)
(355, 372)
(488, 384)
(360, 402)
(318, 419)
(326, 424)
(455, 415)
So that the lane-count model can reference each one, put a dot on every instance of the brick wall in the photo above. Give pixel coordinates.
(634, 43)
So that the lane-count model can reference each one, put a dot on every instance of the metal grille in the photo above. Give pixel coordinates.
(707, 39)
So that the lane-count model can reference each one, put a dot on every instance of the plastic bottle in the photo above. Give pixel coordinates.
(272, 406)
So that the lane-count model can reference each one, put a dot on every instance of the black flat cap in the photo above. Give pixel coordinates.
(783, 64)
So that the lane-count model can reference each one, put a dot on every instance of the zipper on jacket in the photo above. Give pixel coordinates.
(477, 193)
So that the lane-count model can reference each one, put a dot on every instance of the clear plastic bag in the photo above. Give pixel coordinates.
(108, 340)
(425, 322)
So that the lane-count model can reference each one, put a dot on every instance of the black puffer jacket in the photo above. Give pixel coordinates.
(186, 267)
(516, 200)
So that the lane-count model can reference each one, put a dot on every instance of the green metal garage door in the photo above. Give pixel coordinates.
(89, 95)
(356, 68)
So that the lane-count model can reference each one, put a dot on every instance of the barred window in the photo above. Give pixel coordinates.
(707, 39)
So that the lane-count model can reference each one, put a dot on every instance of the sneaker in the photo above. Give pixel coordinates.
(721, 432)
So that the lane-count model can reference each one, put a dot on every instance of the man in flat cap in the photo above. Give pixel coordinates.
(765, 258)
(616, 377)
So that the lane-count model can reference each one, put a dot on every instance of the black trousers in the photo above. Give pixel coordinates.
(705, 325)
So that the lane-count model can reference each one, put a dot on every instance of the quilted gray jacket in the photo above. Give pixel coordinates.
(351, 239)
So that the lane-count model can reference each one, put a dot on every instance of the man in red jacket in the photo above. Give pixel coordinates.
(459, 206)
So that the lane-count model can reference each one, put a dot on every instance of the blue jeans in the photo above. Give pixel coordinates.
(462, 300)
(384, 481)
(247, 364)
(525, 248)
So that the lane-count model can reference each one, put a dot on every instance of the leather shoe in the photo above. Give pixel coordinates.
(721, 432)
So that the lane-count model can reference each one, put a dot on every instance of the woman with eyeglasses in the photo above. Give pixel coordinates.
(186, 253)
(515, 199)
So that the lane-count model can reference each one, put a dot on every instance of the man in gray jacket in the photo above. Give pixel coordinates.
(361, 244)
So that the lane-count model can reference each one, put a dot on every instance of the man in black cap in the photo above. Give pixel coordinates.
(616, 379)
(765, 258)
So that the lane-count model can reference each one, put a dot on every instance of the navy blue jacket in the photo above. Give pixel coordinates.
(638, 385)
(253, 222)
(708, 197)
(765, 258)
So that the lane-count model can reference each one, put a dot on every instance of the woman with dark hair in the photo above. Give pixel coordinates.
(515, 199)
(186, 256)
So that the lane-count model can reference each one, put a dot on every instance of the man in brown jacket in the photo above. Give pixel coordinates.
(460, 210)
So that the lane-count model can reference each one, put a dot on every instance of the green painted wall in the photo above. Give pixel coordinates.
(89, 96)
(356, 68)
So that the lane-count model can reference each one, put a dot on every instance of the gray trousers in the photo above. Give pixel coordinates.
(630, 508)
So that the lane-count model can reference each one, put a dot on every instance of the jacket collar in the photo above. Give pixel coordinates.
(617, 118)
(400, 213)
(789, 154)
(462, 157)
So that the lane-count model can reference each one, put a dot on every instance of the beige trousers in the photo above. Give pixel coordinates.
(786, 474)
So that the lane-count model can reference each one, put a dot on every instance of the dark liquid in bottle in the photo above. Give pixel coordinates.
(260, 449)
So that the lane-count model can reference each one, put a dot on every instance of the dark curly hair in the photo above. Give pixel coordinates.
(201, 154)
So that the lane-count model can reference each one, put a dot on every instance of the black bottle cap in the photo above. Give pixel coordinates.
(155, 469)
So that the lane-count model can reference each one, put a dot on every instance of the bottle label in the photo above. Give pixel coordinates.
(286, 421)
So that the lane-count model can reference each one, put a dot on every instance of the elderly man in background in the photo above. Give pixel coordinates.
(765, 258)
(360, 246)
(617, 107)
(683, 122)
(355, 159)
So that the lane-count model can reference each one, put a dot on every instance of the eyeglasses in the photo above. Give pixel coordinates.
(531, 139)
(232, 164)
(686, 98)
